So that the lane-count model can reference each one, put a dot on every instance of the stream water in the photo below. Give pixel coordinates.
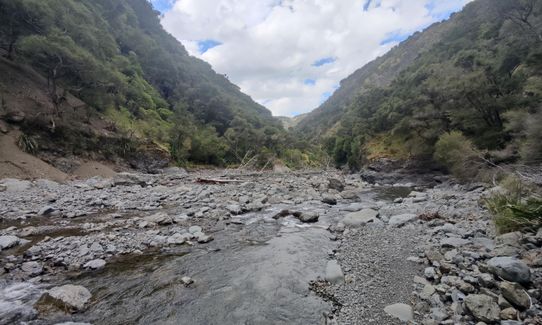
(256, 271)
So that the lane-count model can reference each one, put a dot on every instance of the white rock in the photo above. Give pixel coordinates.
(401, 219)
(334, 273)
(402, 311)
(9, 241)
(360, 218)
(72, 296)
(95, 264)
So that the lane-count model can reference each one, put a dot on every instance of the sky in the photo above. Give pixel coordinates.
(290, 55)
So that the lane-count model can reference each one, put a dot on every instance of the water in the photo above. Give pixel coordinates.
(254, 273)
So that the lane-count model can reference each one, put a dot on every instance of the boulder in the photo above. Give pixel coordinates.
(401, 311)
(334, 273)
(514, 293)
(69, 297)
(328, 199)
(335, 184)
(308, 217)
(483, 308)
(454, 242)
(9, 241)
(360, 218)
(510, 269)
(95, 264)
(402, 219)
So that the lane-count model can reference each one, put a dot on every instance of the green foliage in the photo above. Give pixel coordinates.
(116, 57)
(469, 74)
(516, 207)
(454, 151)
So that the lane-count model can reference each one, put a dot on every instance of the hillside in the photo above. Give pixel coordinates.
(94, 69)
(478, 74)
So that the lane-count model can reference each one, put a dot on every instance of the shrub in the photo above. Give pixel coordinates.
(27, 144)
(455, 152)
(516, 207)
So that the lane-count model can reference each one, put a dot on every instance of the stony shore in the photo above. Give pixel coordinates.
(419, 252)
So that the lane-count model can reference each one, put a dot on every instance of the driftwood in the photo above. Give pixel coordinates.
(217, 181)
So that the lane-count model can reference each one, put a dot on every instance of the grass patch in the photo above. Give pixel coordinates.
(517, 207)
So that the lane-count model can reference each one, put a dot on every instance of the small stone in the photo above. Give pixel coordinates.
(401, 311)
(95, 264)
(46, 211)
(186, 280)
(509, 313)
(430, 273)
(334, 273)
(32, 268)
(336, 184)
(454, 242)
(234, 209)
(194, 229)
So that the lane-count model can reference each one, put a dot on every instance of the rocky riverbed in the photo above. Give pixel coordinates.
(222, 247)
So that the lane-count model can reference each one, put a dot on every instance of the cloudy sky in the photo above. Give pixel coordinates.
(290, 55)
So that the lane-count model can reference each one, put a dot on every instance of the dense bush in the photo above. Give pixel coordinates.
(455, 152)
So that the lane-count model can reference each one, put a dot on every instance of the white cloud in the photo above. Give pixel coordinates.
(269, 47)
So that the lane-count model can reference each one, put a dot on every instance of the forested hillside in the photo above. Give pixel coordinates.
(479, 76)
(111, 61)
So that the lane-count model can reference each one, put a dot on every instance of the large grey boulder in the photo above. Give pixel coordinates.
(510, 269)
(32, 268)
(334, 273)
(483, 308)
(402, 311)
(360, 218)
(307, 216)
(72, 297)
(95, 264)
(335, 184)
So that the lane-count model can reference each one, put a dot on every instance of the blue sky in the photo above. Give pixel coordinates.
(290, 55)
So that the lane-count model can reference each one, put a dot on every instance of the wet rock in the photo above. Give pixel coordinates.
(202, 238)
(510, 268)
(95, 264)
(483, 308)
(9, 241)
(46, 211)
(360, 218)
(70, 297)
(32, 268)
(328, 199)
(430, 273)
(186, 280)
(401, 311)
(308, 217)
(400, 220)
(73, 323)
(514, 293)
(511, 322)
(336, 184)
(334, 273)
